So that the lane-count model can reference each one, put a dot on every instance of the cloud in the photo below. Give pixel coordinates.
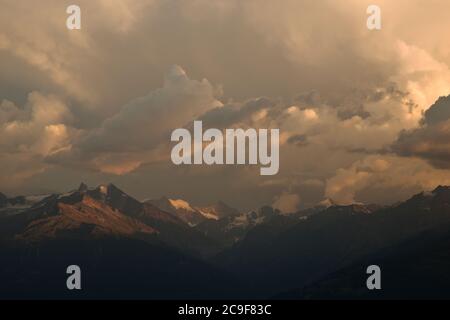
(39, 127)
(383, 179)
(343, 186)
(130, 138)
(286, 202)
(339, 93)
(431, 141)
(31, 133)
(42, 43)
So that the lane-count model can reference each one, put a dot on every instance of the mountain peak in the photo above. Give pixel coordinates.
(223, 206)
(179, 208)
(83, 187)
(441, 189)
(103, 188)
(439, 196)
(181, 204)
(218, 211)
(221, 203)
(326, 203)
(108, 189)
(3, 200)
(354, 208)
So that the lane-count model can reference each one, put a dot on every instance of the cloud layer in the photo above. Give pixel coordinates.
(358, 111)
(431, 141)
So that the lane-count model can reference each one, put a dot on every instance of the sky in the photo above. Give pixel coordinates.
(364, 115)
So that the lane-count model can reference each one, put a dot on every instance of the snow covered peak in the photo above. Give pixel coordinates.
(103, 189)
(326, 203)
(181, 204)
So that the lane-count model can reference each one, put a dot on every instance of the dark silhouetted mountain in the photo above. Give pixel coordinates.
(353, 209)
(18, 204)
(126, 249)
(3, 200)
(83, 187)
(131, 249)
(330, 240)
(87, 218)
(112, 266)
(170, 229)
(414, 269)
(232, 228)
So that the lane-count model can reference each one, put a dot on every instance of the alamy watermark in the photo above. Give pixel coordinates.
(73, 21)
(374, 18)
(373, 22)
(238, 146)
(74, 280)
(374, 280)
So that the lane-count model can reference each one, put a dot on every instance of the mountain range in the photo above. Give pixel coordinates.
(193, 215)
(169, 248)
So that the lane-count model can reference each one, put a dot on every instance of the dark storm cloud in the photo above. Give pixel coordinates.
(298, 140)
(235, 113)
(431, 141)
